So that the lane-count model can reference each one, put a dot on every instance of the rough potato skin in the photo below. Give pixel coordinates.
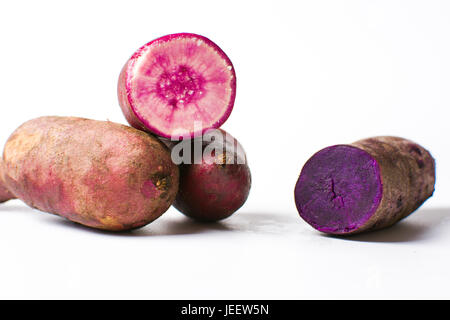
(407, 175)
(100, 174)
(5, 194)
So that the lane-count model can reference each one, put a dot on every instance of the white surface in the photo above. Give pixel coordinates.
(310, 74)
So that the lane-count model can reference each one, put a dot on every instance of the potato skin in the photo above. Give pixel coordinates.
(408, 175)
(367, 185)
(5, 194)
(100, 174)
(213, 187)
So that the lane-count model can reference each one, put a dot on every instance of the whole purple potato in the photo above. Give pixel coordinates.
(215, 183)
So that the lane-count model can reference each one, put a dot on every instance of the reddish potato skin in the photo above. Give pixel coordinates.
(5, 194)
(100, 174)
(213, 191)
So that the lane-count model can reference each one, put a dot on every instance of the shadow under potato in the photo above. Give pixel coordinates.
(400, 232)
(421, 225)
(175, 223)
(169, 224)
(13, 207)
(160, 227)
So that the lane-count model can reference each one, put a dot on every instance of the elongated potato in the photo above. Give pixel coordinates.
(100, 174)
(367, 185)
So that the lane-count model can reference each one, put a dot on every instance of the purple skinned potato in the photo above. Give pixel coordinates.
(214, 185)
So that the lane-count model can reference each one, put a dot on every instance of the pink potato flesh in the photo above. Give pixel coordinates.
(178, 85)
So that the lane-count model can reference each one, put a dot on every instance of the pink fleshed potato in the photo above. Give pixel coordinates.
(175, 82)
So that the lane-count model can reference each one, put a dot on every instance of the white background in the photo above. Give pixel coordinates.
(310, 74)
